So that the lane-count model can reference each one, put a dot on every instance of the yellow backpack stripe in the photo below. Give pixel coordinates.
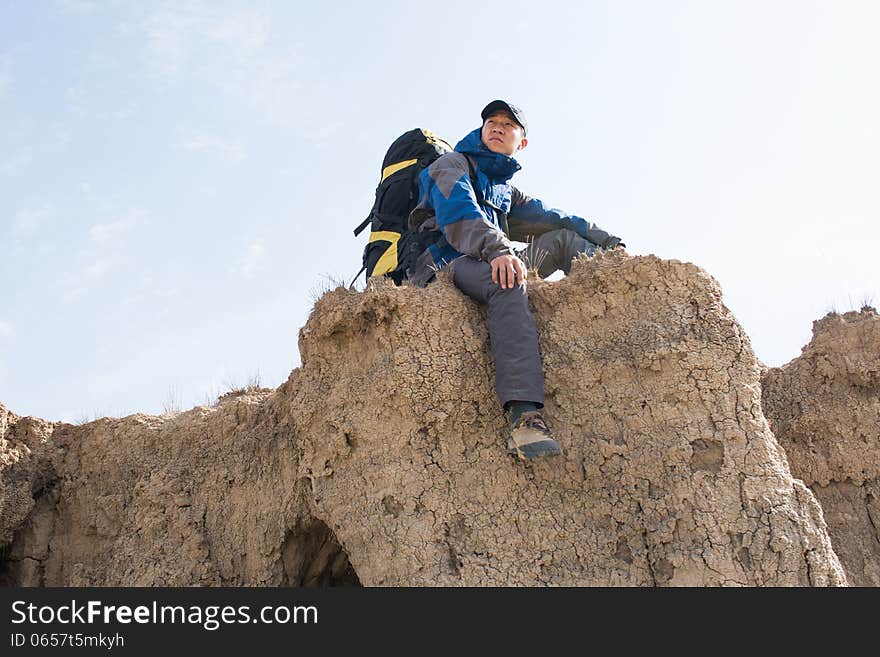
(394, 168)
(391, 169)
(388, 261)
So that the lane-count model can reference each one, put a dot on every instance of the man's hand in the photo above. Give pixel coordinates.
(507, 271)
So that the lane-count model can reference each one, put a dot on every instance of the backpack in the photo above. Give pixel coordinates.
(392, 246)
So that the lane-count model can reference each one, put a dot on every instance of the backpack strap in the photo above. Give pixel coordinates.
(472, 172)
(360, 228)
(502, 216)
(351, 285)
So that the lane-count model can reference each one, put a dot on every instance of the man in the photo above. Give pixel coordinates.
(466, 195)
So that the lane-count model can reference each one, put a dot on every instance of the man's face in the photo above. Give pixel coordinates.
(502, 134)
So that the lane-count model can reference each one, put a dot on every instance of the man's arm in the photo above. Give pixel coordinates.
(458, 215)
(530, 217)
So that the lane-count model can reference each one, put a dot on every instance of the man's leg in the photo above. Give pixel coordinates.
(512, 332)
(514, 341)
(555, 250)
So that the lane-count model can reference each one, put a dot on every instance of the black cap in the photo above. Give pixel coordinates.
(504, 106)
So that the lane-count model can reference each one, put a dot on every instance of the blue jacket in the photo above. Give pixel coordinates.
(447, 202)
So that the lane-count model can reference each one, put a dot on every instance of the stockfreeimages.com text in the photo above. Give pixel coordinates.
(210, 617)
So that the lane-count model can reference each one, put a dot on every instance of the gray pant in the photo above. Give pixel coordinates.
(512, 333)
(555, 250)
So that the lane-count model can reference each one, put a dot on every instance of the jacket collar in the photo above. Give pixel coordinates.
(499, 168)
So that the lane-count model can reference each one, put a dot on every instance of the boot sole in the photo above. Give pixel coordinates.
(535, 450)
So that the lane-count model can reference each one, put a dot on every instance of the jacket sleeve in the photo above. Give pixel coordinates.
(530, 216)
(463, 222)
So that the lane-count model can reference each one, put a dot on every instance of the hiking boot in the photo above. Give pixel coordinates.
(530, 438)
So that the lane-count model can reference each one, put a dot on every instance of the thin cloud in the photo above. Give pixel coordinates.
(242, 30)
(249, 263)
(28, 221)
(103, 255)
(7, 331)
(5, 74)
(166, 31)
(176, 33)
(111, 233)
(77, 6)
(231, 150)
(18, 161)
(233, 50)
(91, 271)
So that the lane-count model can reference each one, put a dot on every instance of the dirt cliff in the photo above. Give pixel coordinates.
(824, 408)
(381, 460)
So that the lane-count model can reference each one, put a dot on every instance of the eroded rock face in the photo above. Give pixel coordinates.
(670, 475)
(204, 498)
(26, 485)
(824, 407)
(382, 459)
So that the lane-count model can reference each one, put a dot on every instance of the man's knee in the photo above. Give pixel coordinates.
(556, 249)
(572, 242)
(474, 278)
(468, 270)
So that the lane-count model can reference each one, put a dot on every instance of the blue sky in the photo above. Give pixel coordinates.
(178, 180)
